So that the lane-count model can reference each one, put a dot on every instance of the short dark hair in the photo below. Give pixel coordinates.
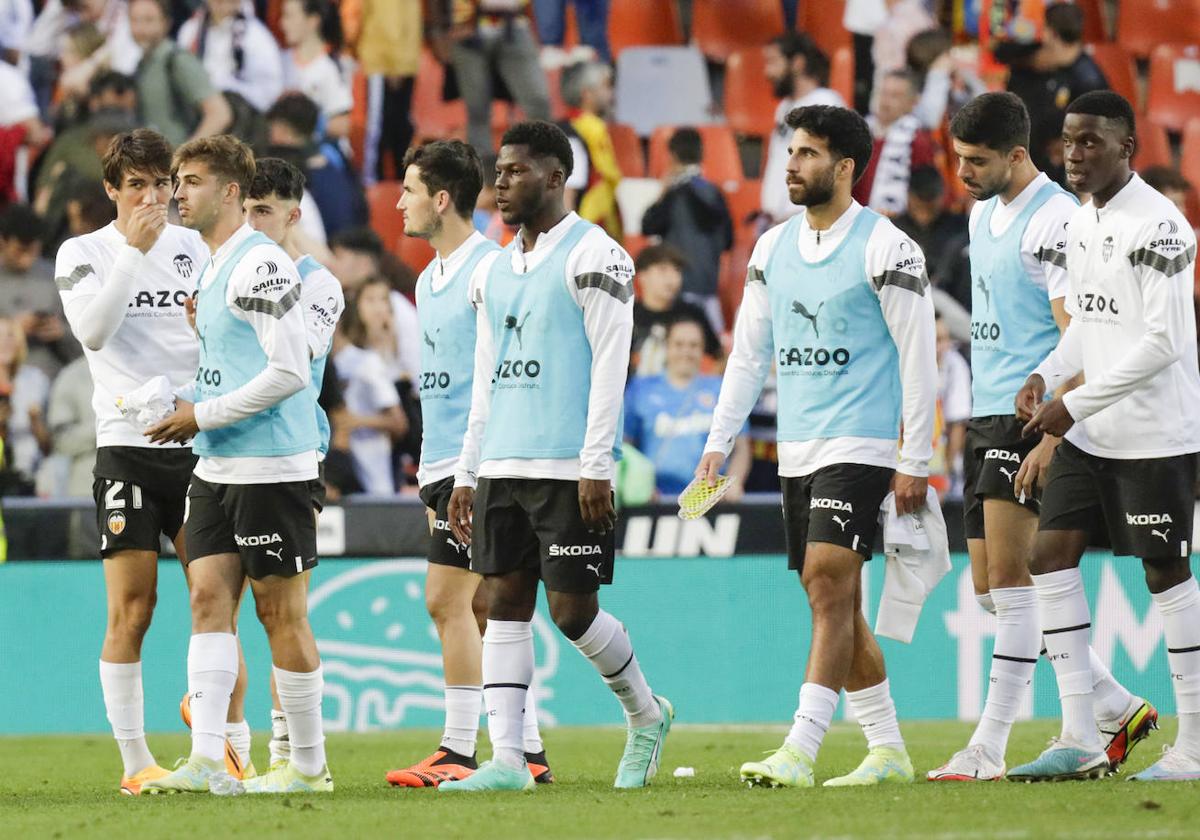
(1107, 104)
(19, 222)
(226, 156)
(95, 208)
(926, 183)
(449, 165)
(1066, 21)
(688, 318)
(543, 140)
(816, 63)
(297, 112)
(925, 47)
(111, 80)
(844, 130)
(661, 254)
(904, 74)
(686, 145)
(141, 150)
(362, 240)
(275, 176)
(998, 121)
(1165, 178)
(164, 6)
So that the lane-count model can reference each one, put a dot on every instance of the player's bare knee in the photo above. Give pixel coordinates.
(445, 604)
(1162, 574)
(129, 618)
(572, 614)
(212, 608)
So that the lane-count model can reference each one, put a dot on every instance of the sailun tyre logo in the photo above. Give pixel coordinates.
(381, 655)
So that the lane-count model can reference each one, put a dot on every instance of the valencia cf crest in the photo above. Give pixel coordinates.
(1107, 248)
(116, 523)
(183, 264)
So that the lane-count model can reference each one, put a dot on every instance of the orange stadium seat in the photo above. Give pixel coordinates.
(434, 118)
(722, 27)
(1095, 21)
(822, 20)
(731, 282)
(744, 200)
(358, 115)
(413, 252)
(1116, 63)
(1189, 160)
(1174, 87)
(749, 101)
(1144, 24)
(722, 163)
(841, 73)
(1153, 146)
(639, 23)
(385, 218)
(628, 148)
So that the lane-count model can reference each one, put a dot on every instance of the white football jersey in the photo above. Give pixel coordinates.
(1131, 267)
(154, 338)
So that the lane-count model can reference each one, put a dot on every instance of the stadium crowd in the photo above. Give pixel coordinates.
(343, 89)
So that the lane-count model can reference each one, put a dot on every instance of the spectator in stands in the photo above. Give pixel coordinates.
(238, 51)
(944, 87)
(901, 145)
(312, 30)
(89, 208)
(20, 128)
(72, 427)
(591, 20)
(387, 37)
(373, 417)
(799, 74)
(79, 43)
(16, 19)
(358, 257)
(692, 216)
(587, 89)
(1054, 75)
(174, 94)
(862, 19)
(667, 416)
(331, 180)
(1171, 183)
(44, 43)
(493, 38)
(954, 410)
(658, 304)
(905, 18)
(28, 293)
(27, 389)
(74, 156)
(926, 219)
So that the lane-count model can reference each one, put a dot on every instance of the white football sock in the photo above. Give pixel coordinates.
(1180, 610)
(507, 672)
(1066, 627)
(1014, 657)
(1110, 699)
(279, 747)
(607, 647)
(238, 734)
(812, 718)
(300, 696)
(876, 714)
(121, 684)
(212, 666)
(531, 735)
(463, 705)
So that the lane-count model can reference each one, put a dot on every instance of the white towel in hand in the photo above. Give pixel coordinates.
(917, 554)
(149, 404)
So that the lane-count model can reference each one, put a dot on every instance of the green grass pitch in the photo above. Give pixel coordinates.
(65, 787)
